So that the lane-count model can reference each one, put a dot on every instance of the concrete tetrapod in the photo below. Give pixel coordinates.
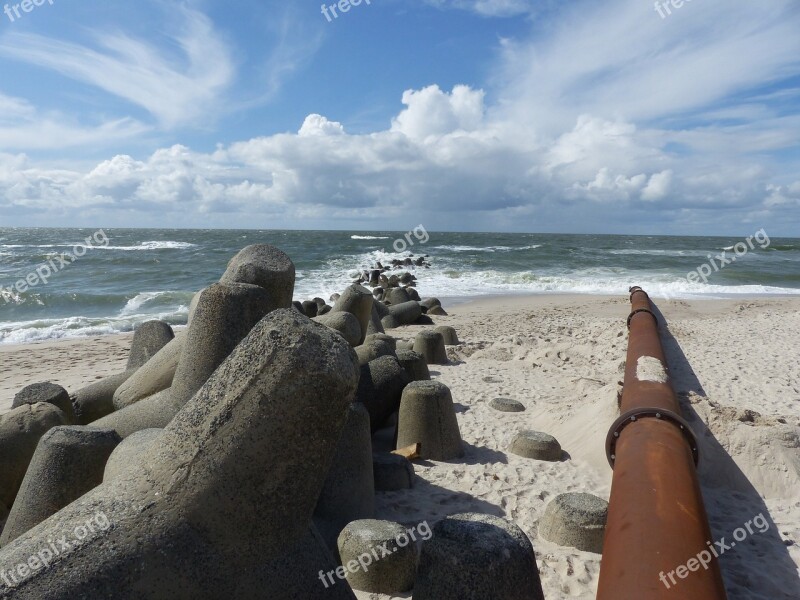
(149, 339)
(389, 573)
(156, 411)
(267, 267)
(95, 401)
(373, 337)
(407, 345)
(414, 364)
(449, 334)
(430, 303)
(392, 472)
(310, 308)
(155, 376)
(345, 323)
(357, 300)
(225, 314)
(424, 320)
(431, 345)
(397, 296)
(375, 325)
(477, 557)
(370, 350)
(401, 314)
(427, 416)
(46, 392)
(507, 405)
(221, 507)
(68, 462)
(380, 389)
(20, 431)
(349, 490)
(576, 520)
(537, 445)
(130, 452)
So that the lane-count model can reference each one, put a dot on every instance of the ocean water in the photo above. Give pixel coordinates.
(127, 276)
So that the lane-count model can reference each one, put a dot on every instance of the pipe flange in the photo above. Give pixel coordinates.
(641, 310)
(634, 289)
(649, 413)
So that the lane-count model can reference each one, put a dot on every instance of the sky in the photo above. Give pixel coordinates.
(614, 116)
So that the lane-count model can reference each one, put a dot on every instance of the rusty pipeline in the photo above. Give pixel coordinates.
(657, 525)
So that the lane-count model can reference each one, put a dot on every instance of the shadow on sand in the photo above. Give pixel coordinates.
(759, 567)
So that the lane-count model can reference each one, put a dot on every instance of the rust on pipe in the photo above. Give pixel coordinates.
(656, 523)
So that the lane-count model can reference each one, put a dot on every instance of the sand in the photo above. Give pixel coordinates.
(734, 364)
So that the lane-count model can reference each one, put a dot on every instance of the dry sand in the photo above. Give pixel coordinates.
(734, 364)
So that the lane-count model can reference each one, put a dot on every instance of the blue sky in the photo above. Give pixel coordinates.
(501, 115)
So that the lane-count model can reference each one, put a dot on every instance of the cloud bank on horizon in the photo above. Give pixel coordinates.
(595, 117)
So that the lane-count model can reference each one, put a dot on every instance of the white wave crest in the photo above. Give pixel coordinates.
(150, 246)
(488, 248)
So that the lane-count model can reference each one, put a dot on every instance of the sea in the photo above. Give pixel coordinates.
(110, 280)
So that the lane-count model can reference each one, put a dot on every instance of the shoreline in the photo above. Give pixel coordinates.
(106, 354)
(467, 301)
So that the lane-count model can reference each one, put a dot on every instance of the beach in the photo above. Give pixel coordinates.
(733, 364)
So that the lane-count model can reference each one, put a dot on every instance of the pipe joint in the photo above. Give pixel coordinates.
(642, 310)
(633, 289)
(649, 413)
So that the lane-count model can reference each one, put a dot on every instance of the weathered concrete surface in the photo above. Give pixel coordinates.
(427, 416)
(577, 520)
(68, 462)
(156, 411)
(267, 267)
(20, 431)
(46, 392)
(349, 490)
(95, 401)
(224, 315)
(390, 574)
(477, 557)
(155, 376)
(128, 454)
(357, 300)
(148, 340)
(380, 388)
(431, 345)
(345, 323)
(222, 507)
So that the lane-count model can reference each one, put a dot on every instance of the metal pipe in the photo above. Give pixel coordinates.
(657, 530)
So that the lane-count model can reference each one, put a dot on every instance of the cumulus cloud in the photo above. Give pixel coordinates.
(442, 156)
(430, 112)
(659, 186)
(319, 125)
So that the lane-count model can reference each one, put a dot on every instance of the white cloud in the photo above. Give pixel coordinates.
(659, 186)
(431, 112)
(319, 125)
(606, 187)
(611, 105)
(23, 126)
(490, 8)
(175, 89)
(783, 197)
